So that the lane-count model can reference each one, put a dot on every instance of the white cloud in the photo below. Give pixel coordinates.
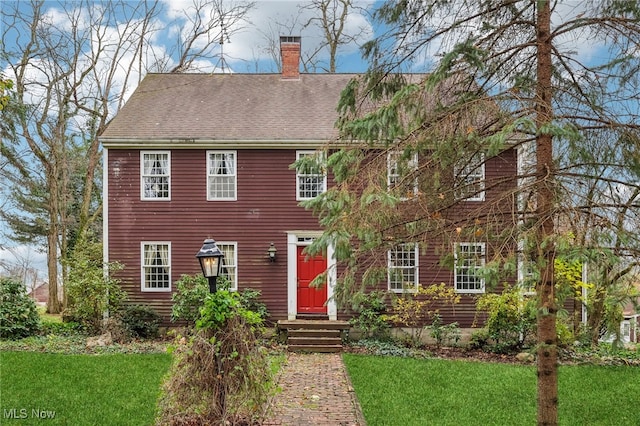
(247, 46)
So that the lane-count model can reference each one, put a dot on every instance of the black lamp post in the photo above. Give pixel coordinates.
(210, 258)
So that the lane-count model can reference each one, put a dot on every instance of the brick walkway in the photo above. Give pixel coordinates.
(315, 391)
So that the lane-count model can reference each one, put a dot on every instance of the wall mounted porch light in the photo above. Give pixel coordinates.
(271, 252)
(210, 258)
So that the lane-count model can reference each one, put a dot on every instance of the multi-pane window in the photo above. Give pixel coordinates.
(527, 277)
(470, 177)
(221, 175)
(311, 181)
(155, 175)
(403, 268)
(469, 258)
(399, 171)
(229, 263)
(156, 266)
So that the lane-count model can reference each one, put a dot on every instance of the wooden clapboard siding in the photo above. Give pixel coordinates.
(265, 209)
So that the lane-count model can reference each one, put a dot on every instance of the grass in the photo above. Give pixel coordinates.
(42, 311)
(404, 391)
(114, 389)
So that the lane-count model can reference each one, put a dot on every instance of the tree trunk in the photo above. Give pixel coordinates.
(547, 350)
(53, 304)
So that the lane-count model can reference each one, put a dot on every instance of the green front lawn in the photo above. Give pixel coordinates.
(122, 389)
(403, 391)
(115, 389)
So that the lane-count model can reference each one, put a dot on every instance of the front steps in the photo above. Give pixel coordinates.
(314, 335)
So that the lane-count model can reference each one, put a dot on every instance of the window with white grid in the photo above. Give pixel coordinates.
(470, 178)
(229, 262)
(311, 181)
(221, 175)
(155, 175)
(469, 258)
(399, 171)
(527, 277)
(156, 266)
(403, 268)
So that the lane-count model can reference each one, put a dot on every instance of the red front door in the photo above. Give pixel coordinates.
(310, 300)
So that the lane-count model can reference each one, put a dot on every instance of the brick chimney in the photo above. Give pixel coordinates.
(290, 51)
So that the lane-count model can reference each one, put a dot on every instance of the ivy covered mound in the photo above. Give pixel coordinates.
(220, 373)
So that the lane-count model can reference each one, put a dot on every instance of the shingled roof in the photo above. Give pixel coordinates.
(193, 108)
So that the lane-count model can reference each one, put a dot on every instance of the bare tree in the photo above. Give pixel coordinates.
(335, 22)
(22, 268)
(210, 24)
(331, 18)
(73, 66)
(71, 75)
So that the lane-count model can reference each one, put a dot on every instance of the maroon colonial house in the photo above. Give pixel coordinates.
(196, 156)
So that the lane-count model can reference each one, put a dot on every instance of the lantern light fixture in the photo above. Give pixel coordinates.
(271, 252)
(210, 258)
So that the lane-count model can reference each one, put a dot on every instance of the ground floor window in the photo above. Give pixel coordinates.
(403, 268)
(469, 258)
(229, 262)
(156, 266)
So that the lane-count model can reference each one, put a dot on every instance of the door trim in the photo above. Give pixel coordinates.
(304, 238)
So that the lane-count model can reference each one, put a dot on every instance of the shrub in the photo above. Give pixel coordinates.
(220, 375)
(222, 306)
(511, 319)
(370, 308)
(479, 339)
(414, 309)
(188, 299)
(141, 321)
(91, 293)
(250, 299)
(193, 290)
(18, 313)
(444, 333)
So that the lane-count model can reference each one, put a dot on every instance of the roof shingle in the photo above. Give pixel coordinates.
(243, 107)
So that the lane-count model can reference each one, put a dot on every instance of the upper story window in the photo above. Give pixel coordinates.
(229, 263)
(221, 175)
(469, 258)
(155, 175)
(471, 178)
(311, 180)
(403, 268)
(399, 174)
(156, 266)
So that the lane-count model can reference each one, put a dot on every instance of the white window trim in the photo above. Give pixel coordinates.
(416, 269)
(235, 261)
(235, 175)
(470, 170)
(299, 154)
(142, 154)
(455, 270)
(526, 275)
(142, 271)
(392, 161)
